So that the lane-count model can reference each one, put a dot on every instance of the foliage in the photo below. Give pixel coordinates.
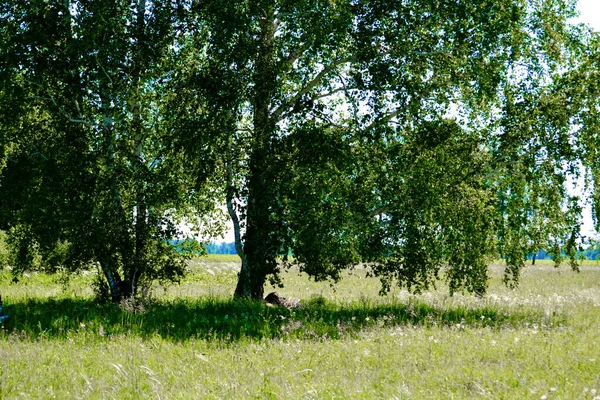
(423, 137)
(6, 256)
(92, 177)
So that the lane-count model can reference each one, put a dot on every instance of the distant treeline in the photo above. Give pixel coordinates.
(591, 253)
(221, 248)
(195, 247)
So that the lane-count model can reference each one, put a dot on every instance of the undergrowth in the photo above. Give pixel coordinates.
(230, 320)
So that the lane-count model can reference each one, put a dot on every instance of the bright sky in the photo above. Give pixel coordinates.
(590, 13)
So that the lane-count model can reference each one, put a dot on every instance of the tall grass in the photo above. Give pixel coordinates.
(193, 340)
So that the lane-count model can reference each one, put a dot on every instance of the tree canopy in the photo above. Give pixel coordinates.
(420, 137)
(89, 172)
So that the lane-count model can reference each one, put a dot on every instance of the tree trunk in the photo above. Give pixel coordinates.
(114, 280)
(259, 259)
(128, 286)
(115, 239)
(139, 265)
(120, 288)
(244, 275)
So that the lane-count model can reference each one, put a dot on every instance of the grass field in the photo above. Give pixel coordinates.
(191, 341)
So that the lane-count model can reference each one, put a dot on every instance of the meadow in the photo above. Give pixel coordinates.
(191, 340)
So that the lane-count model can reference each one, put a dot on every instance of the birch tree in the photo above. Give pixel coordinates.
(421, 137)
(93, 171)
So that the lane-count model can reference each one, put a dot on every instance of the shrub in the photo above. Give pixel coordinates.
(6, 257)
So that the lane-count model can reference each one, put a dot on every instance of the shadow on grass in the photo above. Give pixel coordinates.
(229, 320)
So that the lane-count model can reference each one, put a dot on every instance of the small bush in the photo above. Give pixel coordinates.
(6, 258)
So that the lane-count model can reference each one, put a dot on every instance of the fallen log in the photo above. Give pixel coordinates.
(275, 299)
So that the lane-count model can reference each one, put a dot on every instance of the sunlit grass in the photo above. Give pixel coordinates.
(192, 340)
(221, 258)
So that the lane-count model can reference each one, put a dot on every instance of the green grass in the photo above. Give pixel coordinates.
(192, 340)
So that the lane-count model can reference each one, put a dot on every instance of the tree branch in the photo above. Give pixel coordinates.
(384, 119)
(81, 121)
(239, 248)
(325, 118)
(380, 210)
(331, 93)
(279, 111)
(295, 55)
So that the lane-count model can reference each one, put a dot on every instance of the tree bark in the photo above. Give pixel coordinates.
(141, 218)
(239, 247)
(119, 236)
(114, 280)
(260, 261)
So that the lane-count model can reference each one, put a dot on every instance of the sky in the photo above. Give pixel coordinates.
(590, 14)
